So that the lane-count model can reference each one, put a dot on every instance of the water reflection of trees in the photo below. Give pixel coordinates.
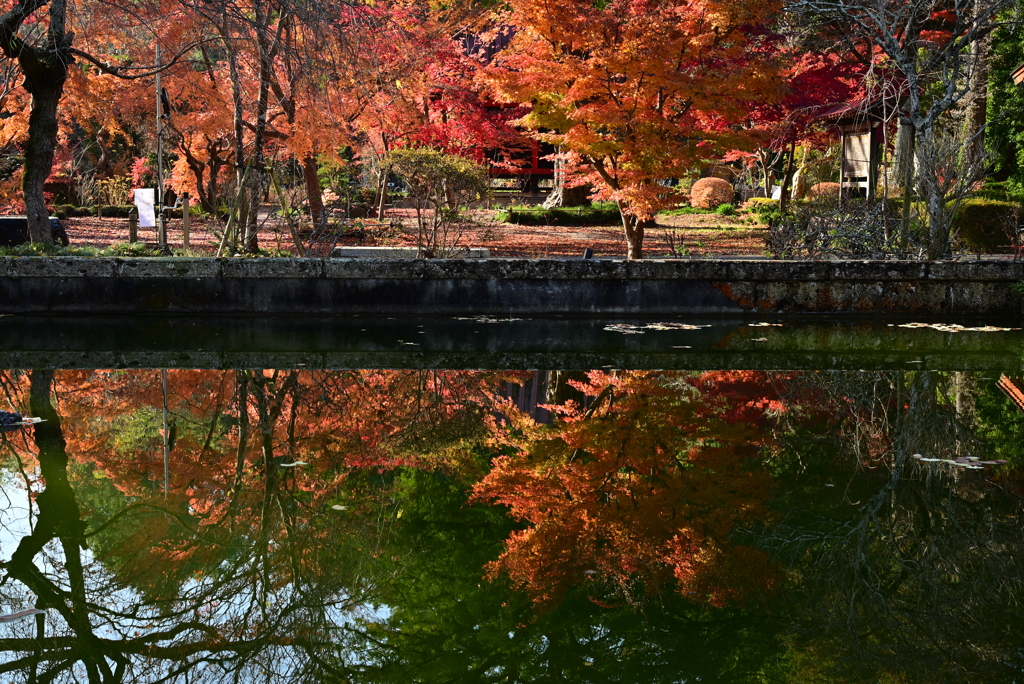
(245, 572)
(901, 564)
(319, 527)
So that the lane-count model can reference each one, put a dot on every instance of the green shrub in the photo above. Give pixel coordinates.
(46, 249)
(981, 224)
(130, 249)
(685, 211)
(597, 214)
(762, 205)
(725, 210)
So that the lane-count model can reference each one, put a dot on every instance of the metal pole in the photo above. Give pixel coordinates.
(167, 448)
(161, 220)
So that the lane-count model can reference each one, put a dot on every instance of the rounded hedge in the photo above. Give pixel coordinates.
(708, 193)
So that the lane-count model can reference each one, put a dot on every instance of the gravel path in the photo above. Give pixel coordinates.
(700, 235)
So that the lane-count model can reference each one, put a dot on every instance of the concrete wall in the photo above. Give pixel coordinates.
(66, 285)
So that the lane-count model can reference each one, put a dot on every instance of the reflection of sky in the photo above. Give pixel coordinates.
(14, 520)
(225, 607)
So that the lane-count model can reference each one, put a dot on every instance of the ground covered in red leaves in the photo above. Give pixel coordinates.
(693, 235)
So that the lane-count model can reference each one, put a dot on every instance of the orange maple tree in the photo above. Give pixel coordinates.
(636, 91)
(643, 486)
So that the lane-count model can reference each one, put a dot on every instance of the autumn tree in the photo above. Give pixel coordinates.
(642, 488)
(925, 51)
(35, 33)
(638, 92)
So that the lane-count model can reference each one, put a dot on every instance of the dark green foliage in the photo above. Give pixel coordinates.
(1005, 134)
(982, 224)
(1000, 422)
(684, 211)
(32, 249)
(597, 214)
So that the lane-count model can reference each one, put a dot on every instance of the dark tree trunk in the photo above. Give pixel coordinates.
(977, 98)
(45, 68)
(313, 190)
(39, 149)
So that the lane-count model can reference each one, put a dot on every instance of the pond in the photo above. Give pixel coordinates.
(366, 500)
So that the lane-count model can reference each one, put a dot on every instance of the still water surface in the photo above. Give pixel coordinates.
(758, 521)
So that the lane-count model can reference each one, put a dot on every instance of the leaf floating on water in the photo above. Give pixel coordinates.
(628, 329)
(675, 326)
(955, 328)
(625, 329)
(486, 319)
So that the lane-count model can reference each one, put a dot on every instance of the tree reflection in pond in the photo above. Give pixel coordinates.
(666, 527)
(901, 565)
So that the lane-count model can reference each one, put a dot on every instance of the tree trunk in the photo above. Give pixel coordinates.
(929, 189)
(786, 180)
(45, 69)
(562, 196)
(314, 192)
(258, 181)
(634, 234)
(39, 149)
(977, 98)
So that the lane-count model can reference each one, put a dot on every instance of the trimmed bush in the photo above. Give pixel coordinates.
(708, 193)
(981, 224)
(762, 205)
(597, 214)
(824, 190)
(725, 210)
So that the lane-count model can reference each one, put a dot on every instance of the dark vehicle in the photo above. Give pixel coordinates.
(14, 231)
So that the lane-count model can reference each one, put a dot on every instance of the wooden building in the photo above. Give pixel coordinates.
(861, 134)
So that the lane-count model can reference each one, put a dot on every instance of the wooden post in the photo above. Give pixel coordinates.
(184, 220)
(133, 226)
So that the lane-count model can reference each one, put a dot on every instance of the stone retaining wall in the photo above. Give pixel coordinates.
(504, 286)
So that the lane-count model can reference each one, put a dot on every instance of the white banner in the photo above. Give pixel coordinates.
(145, 198)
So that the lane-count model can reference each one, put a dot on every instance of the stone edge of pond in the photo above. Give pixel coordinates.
(210, 285)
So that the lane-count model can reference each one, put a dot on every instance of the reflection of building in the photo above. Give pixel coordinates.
(1014, 388)
(530, 395)
(546, 387)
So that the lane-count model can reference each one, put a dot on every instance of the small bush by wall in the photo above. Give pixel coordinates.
(708, 193)
(981, 224)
